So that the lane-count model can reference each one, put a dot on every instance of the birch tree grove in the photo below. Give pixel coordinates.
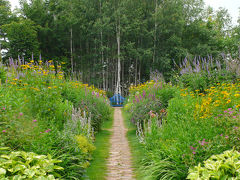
(115, 43)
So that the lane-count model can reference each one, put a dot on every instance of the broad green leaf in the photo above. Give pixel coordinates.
(2, 171)
(5, 156)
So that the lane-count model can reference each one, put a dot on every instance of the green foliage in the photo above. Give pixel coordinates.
(36, 116)
(22, 39)
(153, 34)
(98, 167)
(222, 166)
(84, 144)
(190, 129)
(27, 165)
(100, 111)
(3, 73)
(202, 74)
(195, 81)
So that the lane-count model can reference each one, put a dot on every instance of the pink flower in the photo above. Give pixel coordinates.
(40, 132)
(4, 131)
(192, 148)
(229, 109)
(225, 111)
(194, 152)
(234, 117)
(4, 108)
(47, 130)
(221, 135)
(203, 142)
(230, 112)
(226, 137)
(20, 114)
(34, 120)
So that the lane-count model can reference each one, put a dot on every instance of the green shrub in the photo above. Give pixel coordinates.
(27, 165)
(3, 73)
(84, 144)
(222, 166)
(36, 115)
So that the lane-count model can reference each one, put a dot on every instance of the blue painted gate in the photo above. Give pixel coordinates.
(117, 100)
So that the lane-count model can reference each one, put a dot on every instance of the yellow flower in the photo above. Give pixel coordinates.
(228, 101)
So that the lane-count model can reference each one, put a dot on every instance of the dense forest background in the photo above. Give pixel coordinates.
(90, 36)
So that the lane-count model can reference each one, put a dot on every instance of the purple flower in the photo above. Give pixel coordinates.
(203, 142)
(97, 95)
(144, 94)
(230, 112)
(137, 100)
(192, 148)
(225, 111)
(220, 114)
(20, 114)
(34, 120)
(47, 130)
(229, 109)
(194, 152)
(221, 135)
(4, 131)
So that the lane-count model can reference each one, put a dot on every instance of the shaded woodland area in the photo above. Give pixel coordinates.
(90, 36)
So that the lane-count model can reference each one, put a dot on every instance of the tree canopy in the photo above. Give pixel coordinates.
(84, 34)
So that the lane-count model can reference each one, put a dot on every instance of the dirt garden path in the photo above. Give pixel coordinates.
(119, 162)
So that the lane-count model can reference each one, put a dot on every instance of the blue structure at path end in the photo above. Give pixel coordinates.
(117, 100)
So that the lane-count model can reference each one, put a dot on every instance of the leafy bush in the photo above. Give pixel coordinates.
(200, 74)
(3, 73)
(27, 165)
(197, 125)
(84, 144)
(38, 114)
(222, 166)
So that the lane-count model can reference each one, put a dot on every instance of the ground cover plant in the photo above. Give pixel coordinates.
(43, 112)
(180, 126)
(222, 166)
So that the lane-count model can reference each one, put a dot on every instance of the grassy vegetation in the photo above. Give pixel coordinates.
(44, 113)
(182, 125)
(98, 167)
(136, 148)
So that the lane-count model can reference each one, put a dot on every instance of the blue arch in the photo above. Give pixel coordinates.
(117, 100)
